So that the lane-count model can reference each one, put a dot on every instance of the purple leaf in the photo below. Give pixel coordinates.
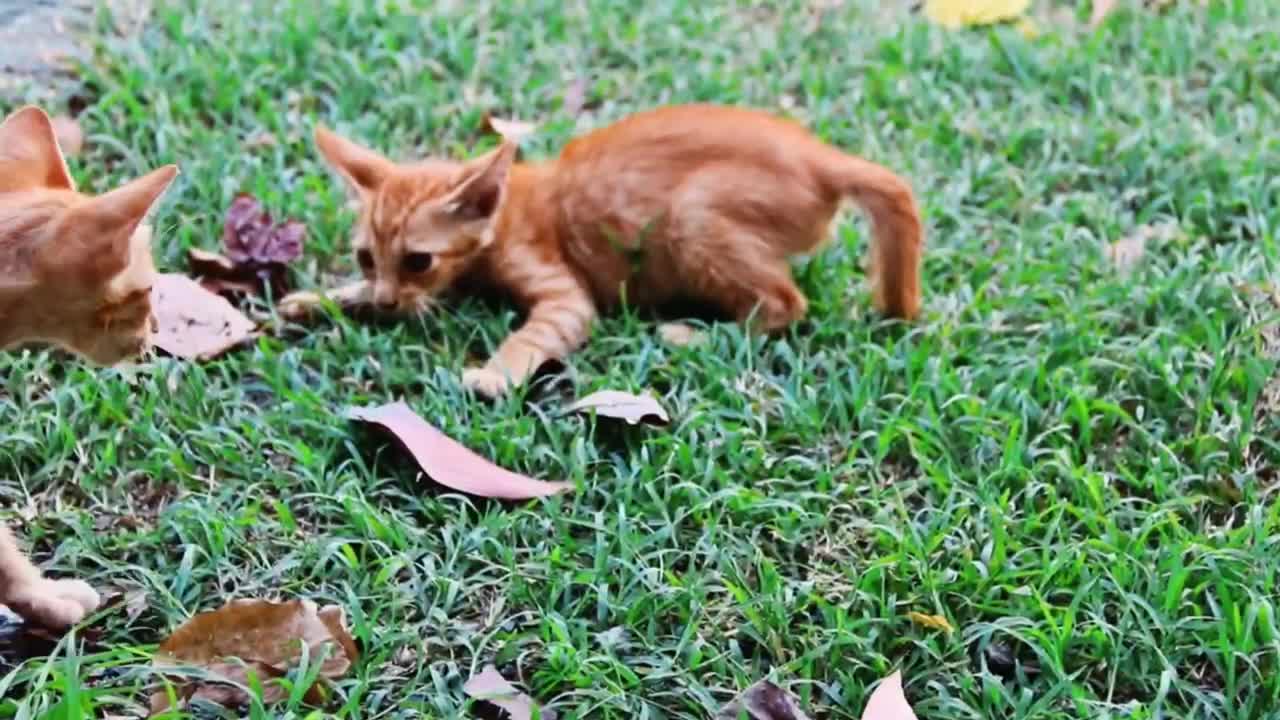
(250, 235)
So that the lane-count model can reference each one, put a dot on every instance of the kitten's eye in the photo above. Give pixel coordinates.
(365, 258)
(417, 262)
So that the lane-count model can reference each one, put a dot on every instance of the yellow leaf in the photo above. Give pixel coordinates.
(956, 14)
(933, 622)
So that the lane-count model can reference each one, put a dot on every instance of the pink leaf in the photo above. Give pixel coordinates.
(450, 463)
(888, 702)
(192, 322)
(251, 236)
(489, 686)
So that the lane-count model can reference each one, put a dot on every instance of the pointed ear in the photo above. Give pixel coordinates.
(29, 153)
(362, 167)
(96, 235)
(481, 183)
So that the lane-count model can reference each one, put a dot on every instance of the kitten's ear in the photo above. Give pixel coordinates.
(29, 154)
(95, 236)
(481, 183)
(362, 167)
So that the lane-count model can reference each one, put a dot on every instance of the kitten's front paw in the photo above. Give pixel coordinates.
(55, 604)
(486, 381)
(299, 305)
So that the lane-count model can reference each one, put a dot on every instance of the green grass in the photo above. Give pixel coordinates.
(1072, 465)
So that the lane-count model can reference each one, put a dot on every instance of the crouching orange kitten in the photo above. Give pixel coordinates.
(697, 202)
(76, 272)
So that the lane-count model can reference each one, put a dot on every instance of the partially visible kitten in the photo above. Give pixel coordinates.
(700, 201)
(76, 272)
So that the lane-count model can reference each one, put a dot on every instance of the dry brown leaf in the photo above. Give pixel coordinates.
(762, 701)
(888, 702)
(681, 335)
(933, 622)
(634, 409)
(490, 687)
(255, 636)
(70, 136)
(193, 323)
(510, 130)
(450, 463)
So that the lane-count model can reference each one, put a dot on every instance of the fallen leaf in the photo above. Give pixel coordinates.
(219, 275)
(955, 14)
(933, 622)
(1101, 8)
(490, 687)
(762, 701)
(193, 323)
(681, 335)
(136, 603)
(622, 406)
(1127, 251)
(251, 236)
(257, 252)
(888, 702)
(260, 140)
(70, 136)
(1003, 661)
(255, 636)
(575, 97)
(510, 130)
(450, 463)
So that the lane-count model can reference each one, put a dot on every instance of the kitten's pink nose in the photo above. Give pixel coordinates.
(384, 297)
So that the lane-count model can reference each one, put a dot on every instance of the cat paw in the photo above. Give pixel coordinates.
(298, 305)
(55, 604)
(485, 381)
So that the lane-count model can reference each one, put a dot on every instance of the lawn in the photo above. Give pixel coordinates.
(1074, 463)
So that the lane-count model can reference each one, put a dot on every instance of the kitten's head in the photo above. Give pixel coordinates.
(420, 225)
(75, 271)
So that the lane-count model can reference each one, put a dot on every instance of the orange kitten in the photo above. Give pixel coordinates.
(76, 272)
(698, 202)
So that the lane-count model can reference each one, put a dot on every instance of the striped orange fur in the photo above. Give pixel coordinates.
(695, 201)
(75, 271)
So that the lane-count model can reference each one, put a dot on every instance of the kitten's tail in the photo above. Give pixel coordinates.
(898, 231)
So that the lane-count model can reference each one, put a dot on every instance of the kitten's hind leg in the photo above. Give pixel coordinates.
(771, 303)
(738, 272)
(301, 304)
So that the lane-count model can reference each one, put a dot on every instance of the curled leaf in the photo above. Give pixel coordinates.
(259, 638)
(933, 622)
(634, 409)
(193, 323)
(955, 14)
(489, 686)
(762, 701)
(251, 236)
(450, 463)
(257, 252)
